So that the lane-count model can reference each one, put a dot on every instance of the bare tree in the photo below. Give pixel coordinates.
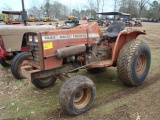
(91, 7)
(123, 5)
(154, 11)
(129, 6)
(115, 4)
(58, 10)
(36, 9)
(6, 7)
(98, 3)
(141, 5)
(158, 12)
(102, 5)
(47, 7)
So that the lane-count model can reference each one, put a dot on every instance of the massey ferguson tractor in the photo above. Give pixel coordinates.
(55, 53)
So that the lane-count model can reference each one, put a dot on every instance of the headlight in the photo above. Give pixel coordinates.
(35, 38)
(30, 38)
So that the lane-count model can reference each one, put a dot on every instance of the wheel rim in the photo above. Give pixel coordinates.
(7, 61)
(141, 64)
(82, 98)
(23, 63)
(8, 58)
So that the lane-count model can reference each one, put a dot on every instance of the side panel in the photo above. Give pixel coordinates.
(94, 33)
(56, 39)
(122, 38)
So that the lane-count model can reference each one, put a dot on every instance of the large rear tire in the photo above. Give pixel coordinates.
(77, 95)
(134, 62)
(44, 82)
(21, 59)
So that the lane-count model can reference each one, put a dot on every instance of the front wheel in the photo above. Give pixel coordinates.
(134, 62)
(77, 95)
(21, 59)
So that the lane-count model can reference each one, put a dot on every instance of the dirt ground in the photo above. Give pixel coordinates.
(20, 100)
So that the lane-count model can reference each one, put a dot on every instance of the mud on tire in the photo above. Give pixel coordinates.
(77, 95)
(44, 82)
(17, 62)
(133, 62)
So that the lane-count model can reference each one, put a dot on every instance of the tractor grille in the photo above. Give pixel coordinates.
(33, 47)
(34, 51)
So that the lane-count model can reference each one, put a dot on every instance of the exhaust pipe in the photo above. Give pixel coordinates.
(70, 51)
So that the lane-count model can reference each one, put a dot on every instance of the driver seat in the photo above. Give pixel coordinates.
(114, 29)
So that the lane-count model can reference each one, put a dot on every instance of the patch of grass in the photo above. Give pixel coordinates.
(24, 100)
(155, 60)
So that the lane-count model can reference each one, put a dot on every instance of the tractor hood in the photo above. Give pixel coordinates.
(12, 35)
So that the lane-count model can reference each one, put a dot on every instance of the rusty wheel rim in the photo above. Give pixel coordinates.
(82, 98)
(8, 61)
(141, 64)
(23, 63)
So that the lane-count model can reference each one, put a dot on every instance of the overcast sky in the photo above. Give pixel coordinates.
(17, 5)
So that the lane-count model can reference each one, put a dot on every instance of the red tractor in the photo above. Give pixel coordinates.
(55, 53)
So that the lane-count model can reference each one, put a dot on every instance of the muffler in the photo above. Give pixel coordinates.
(70, 51)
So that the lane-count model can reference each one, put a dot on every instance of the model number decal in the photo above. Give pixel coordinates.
(71, 36)
(47, 46)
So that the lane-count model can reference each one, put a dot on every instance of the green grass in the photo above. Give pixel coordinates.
(26, 101)
(29, 102)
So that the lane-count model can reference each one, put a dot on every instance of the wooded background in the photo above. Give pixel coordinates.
(55, 9)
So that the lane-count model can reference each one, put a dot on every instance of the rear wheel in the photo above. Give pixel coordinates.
(134, 62)
(44, 82)
(77, 95)
(21, 59)
(6, 61)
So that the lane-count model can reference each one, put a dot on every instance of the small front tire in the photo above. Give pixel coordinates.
(18, 61)
(77, 95)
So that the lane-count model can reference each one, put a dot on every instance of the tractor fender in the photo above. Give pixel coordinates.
(3, 51)
(123, 37)
(1, 42)
(24, 46)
